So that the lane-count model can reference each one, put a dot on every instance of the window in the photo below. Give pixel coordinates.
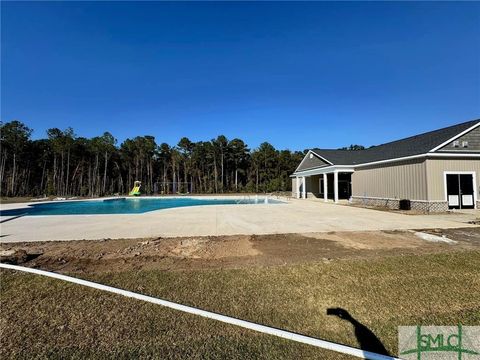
(311, 156)
(456, 143)
(465, 144)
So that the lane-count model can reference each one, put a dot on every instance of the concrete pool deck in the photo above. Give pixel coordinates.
(295, 216)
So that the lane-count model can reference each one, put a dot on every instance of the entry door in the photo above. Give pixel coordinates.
(460, 191)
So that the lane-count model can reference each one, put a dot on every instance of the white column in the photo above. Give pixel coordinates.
(325, 187)
(297, 185)
(335, 185)
(304, 190)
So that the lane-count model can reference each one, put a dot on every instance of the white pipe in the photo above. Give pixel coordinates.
(211, 315)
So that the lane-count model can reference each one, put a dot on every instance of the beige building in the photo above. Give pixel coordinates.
(434, 171)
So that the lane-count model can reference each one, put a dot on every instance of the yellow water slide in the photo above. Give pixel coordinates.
(136, 189)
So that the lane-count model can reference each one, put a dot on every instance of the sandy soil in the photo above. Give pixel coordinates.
(227, 251)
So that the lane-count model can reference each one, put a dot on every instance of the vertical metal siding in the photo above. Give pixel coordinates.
(401, 180)
(435, 171)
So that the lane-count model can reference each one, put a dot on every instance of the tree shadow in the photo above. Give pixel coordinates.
(367, 340)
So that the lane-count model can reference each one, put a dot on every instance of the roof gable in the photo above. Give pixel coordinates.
(311, 161)
(468, 142)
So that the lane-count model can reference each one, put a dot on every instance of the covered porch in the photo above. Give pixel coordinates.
(329, 184)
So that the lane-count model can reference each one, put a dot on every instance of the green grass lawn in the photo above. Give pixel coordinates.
(43, 317)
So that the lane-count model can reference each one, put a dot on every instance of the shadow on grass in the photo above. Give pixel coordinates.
(367, 340)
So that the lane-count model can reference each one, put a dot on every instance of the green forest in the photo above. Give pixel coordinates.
(64, 164)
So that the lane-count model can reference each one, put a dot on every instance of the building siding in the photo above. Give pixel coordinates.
(435, 175)
(401, 180)
(473, 139)
(314, 185)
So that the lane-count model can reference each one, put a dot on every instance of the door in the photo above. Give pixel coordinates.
(460, 191)
(466, 191)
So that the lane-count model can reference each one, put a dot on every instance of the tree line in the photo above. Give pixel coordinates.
(64, 164)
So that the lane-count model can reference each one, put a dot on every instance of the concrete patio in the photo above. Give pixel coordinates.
(295, 216)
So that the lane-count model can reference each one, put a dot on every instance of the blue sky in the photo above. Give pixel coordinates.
(298, 75)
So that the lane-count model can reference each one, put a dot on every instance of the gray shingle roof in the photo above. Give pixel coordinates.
(414, 145)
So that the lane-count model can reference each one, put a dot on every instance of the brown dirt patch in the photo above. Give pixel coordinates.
(373, 240)
(228, 251)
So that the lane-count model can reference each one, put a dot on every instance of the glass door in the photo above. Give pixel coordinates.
(460, 191)
(466, 191)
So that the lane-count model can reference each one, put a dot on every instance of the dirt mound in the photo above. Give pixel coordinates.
(226, 251)
(191, 248)
(17, 256)
(123, 254)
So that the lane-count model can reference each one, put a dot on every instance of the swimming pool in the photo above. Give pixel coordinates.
(127, 205)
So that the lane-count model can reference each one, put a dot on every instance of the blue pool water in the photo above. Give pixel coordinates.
(124, 205)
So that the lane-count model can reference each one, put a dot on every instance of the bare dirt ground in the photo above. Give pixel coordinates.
(228, 251)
